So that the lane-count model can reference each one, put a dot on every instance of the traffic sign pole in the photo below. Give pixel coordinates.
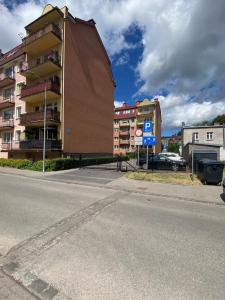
(147, 158)
(138, 155)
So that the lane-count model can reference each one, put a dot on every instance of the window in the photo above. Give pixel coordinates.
(9, 72)
(7, 115)
(116, 138)
(18, 88)
(8, 93)
(209, 136)
(17, 135)
(195, 136)
(18, 111)
(7, 137)
(35, 108)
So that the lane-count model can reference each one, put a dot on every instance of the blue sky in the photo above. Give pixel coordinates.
(172, 50)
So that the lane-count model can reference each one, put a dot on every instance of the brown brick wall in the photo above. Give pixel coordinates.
(88, 92)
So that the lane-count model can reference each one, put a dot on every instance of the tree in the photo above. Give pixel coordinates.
(173, 147)
(219, 119)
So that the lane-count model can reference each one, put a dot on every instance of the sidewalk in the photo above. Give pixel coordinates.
(203, 193)
(11, 290)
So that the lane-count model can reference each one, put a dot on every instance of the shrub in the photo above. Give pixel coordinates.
(16, 163)
(58, 163)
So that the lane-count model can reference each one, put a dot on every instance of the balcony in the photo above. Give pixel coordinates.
(6, 124)
(38, 144)
(6, 80)
(36, 92)
(7, 101)
(124, 142)
(124, 133)
(37, 118)
(41, 66)
(45, 38)
(148, 112)
(124, 124)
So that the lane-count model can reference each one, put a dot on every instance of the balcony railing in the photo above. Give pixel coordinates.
(35, 117)
(38, 144)
(49, 28)
(7, 101)
(6, 80)
(124, 124)
(124, 142)
(124, 133)
(6, 123)
(39, 88)
(40, 61)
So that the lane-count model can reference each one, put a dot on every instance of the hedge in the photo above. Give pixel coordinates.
(58, 163)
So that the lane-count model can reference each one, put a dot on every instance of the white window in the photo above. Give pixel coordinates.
(209, 136)
(195, 136)
(18, 111)
(17, 135)
(7, 137)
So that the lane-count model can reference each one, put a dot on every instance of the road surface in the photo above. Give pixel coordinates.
(89, 242)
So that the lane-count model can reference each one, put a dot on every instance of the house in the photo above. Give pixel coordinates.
(207, 137)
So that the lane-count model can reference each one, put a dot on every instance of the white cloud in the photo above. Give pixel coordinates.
(118, 103)
(176, 110)
(183, 46)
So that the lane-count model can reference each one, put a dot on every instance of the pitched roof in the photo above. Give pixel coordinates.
(12, 54)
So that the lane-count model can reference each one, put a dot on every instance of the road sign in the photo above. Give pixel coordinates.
(147, 126)
(149, 140)
(138, 140)
(138, 132)
(147, 133)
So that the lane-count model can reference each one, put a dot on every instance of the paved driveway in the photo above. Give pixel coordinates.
(86, 175)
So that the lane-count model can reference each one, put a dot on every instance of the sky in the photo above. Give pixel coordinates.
(171, 50)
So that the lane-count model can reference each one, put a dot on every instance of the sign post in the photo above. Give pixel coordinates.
(147, 137)
(138, 142)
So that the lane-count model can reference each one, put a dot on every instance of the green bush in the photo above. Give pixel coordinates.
(16, 163)
(58, 163)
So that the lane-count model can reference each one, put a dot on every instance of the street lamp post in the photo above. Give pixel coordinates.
(45, 110)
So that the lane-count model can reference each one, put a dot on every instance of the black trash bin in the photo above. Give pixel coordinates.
(210, 171)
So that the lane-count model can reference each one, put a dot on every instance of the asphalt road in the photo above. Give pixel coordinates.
(113, 244)
(86, 175)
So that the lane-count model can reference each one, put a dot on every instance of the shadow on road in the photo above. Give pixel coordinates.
(222, 196)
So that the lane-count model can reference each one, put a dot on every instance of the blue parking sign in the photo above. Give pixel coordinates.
(149, 140)
(147, 126)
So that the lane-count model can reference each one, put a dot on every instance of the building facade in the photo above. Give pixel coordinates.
(208, 138)
(128, 118)
(204, 134)
(65, 65)
(11, 106)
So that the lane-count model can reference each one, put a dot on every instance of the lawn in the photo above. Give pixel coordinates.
(165, 177)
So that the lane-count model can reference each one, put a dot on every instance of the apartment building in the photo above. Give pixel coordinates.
(11, 106)
(65, 66)
(128, 118)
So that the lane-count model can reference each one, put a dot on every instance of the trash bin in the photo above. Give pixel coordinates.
(210, 171)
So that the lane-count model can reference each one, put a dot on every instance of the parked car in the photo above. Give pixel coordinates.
(173, 156)
(224, 186)
(160, 162)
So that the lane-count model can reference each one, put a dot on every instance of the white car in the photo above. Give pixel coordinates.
(173, 156)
